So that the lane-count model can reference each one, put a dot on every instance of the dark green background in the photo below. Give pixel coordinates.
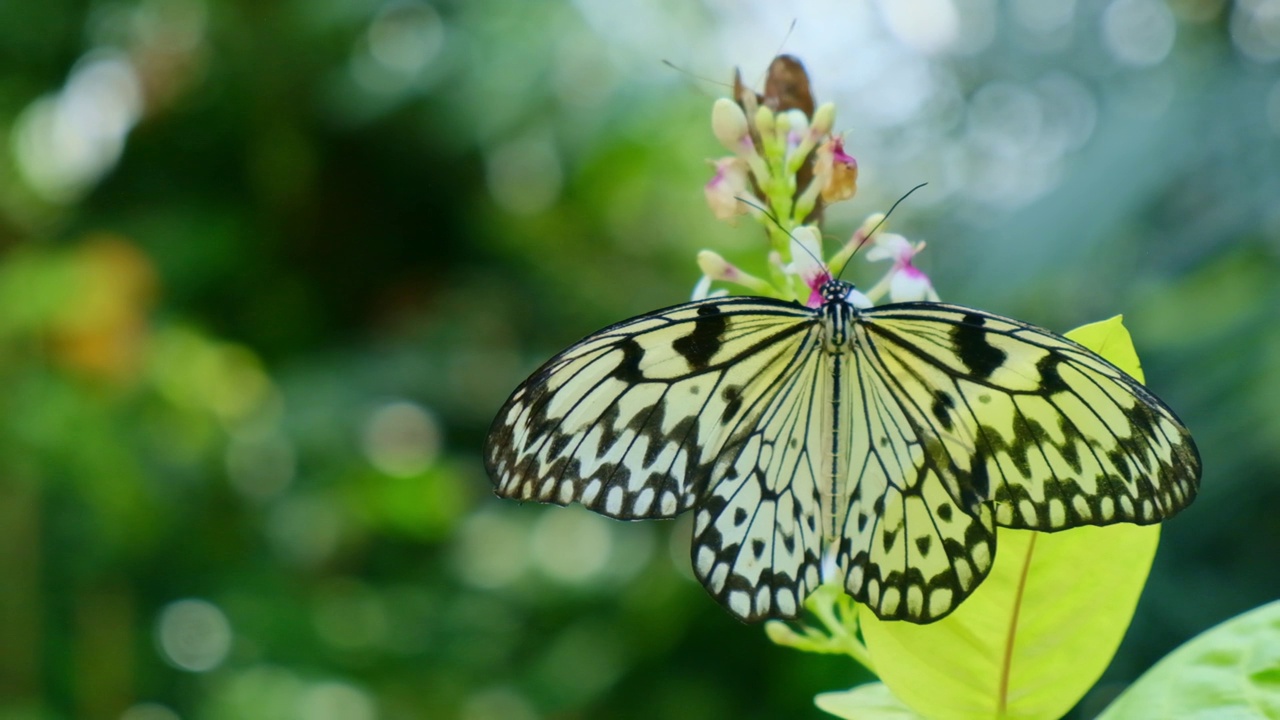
(252, 360)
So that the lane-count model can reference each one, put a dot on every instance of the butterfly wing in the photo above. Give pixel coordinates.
(990, 421)
(708, 405)
(915, 542)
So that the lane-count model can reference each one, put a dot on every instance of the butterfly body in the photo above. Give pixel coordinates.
(893, 439)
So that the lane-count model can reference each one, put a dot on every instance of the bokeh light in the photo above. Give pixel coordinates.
(402, 438)
(572, 546)
(1139, 32)
(334, 700)
(492, 549)
(64, 143)
(1255, 28)
(399, 49)
(193, 635)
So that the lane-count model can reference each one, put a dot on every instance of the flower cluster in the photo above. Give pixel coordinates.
(785, 168)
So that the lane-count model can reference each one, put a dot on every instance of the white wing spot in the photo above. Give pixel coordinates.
(889, 605)
(669, 504)
(763, 597)
(591, 491)
(915, 600)
(613, 501)
(644, 499)
(786, 602)
(939, 601)
(1004, 513)
(981, 554)
(811, 576)
(718, 576)
(566, 492)
(1057, 513)
(705, 560)
(701, 521)
(1081, 507)
(855, 577)
(964, 573)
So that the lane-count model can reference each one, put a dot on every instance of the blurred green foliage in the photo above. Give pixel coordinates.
(267, 270)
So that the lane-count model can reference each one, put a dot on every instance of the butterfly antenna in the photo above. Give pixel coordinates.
(748, 202)
(694, 75)
(873, 230)
(786, 38)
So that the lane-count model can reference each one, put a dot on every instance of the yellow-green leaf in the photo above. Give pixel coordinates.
(1039, 631)
(872, 701)
(1110, 339)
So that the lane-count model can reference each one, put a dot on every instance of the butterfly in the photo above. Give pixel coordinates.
(889, 440)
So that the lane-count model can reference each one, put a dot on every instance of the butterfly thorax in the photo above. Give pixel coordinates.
(837, 313)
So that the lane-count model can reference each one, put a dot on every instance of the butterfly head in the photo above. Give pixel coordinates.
(839, 291)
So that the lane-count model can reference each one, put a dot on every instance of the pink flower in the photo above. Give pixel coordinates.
(835, 170)
(907, 283)
(717, 269)
(806, 262)
(725, 188)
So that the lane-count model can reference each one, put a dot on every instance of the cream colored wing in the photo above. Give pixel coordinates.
(973, 420)
(713, 405)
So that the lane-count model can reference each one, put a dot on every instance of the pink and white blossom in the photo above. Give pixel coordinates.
(906, 282)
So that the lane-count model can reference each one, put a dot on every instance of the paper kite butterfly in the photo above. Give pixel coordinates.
(893, 438)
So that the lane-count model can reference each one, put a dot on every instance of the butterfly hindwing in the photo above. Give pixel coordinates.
(914, 543)
(757, 538)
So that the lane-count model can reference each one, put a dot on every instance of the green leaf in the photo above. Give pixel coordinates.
(1232, 670)
(1042, 627)
(832, 630)
(1110, 339)
(872, 701)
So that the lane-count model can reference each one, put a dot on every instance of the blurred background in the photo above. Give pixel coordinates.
(267, 271)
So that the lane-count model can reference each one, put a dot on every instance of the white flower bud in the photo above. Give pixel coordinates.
(729, 124)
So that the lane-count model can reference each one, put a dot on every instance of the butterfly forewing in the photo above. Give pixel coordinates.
(899, 449)
(625, 421)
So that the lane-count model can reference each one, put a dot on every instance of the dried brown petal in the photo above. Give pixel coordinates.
(786, 86)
